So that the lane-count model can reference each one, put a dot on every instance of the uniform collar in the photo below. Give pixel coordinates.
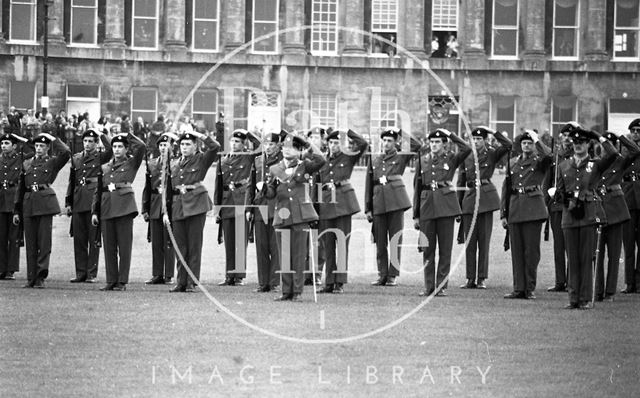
(390, 154)
(11, 155)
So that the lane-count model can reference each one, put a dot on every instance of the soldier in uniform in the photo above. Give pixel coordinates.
(477, 251)
(233, 177)
(435, 206)
(162, 255)
(293, 212)
(338, 204)
(10, 234)
(386, 200)
(37, 203)
(617, 212)
(525, 211)
(563, 151)
(316, 135)
(190, 202)
(582, 212)
(114, 206)
(267, 253)
(86, 167)
(631, 232)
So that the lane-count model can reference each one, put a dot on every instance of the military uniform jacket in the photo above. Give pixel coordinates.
(190, 172)
(487, 160)
(83, 177)
(334, 176)
(609, 188)
(579, 181)
(233, 177)
(262, 174)
(526, 200)
(34, 196)
(288, 185)
(10, 169)
(114, 196)
(434, 195)
(152, 193)
(388, 194)
(563, 154)
(631, 185)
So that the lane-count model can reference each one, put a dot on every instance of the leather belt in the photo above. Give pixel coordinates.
(483, 181)
(6, 184)
(631, 177)
(435, 185)
(603, 190)
(157, 191)
(117, 185)
(182, 189)
(38, 187)
(87, 180)
(524, 190)
(232, 186)
(385, 179)
(327, 186)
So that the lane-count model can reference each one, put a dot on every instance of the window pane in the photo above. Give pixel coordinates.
(508, 127)
(627, 13)
(564, 42)
(563, 110)
(144, 33)
(148, 117)
(144, 8)
(444, 14)
(22, 24)
(209, 120)
(505, 112)
(505, 42)
(265, 10)
(77, 90)
(624, 105)
(204, 101)
(23, 94)
(506, 12)
(268, 44)
(566, 11)
(143, 99)
(206, 9)
(85, 3)
(625, 43)
(205, 35)
(83, 26)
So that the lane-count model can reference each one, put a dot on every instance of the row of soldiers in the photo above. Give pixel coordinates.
(270, 184)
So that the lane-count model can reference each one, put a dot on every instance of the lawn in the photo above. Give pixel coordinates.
(73, 340)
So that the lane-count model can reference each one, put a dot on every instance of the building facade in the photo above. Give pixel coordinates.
(271, 64)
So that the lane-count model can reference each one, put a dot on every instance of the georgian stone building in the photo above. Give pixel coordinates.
(269, 64)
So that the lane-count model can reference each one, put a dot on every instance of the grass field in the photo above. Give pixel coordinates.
(73, 340)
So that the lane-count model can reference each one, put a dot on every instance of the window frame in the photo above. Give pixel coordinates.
(493, 123)
(95, 25)
(433, 16)
(615, 28)
(85, 99)
(319, 120)
(576, 29)
(35, 93)
(273, 22)
(132, 110)
(315, 23)
(562, 123)
(214, 112)
(133, 22)
(195, 19)
(495, 27)
(34, 23)
(379, 100)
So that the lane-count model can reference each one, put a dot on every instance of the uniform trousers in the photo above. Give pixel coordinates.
(611, 240)
(85, 251)
(478, 243)
(559, 250)
(232, 249)
(163, 257)
(631, 233)
(385, 226)
(267, 253)
(118, 242)
(580, 243)
(438, 232)
(298, 237)
(189, 233)
(321, 259)
(334, 249)
(9, 249)
(525, 254)
(37, 237)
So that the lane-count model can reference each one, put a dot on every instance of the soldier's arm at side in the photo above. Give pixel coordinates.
(68, 199)
(417, 189)
(146, 194)
(368, 187)
(505, 146)
(97, 199)
(18, 199)
(272, 185)
(250, 194)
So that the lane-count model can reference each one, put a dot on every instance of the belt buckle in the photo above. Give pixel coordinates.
(182, 189)
(83, 181)
(521, 190)
(603, 191)
(232, 186)
(160, 190)
(434, 185)
(111, 187)
(34, 187)
(383, 180)
(5, 185)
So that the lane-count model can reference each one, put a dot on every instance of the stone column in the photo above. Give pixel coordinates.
(2, 40)
(233, 16)
(414, 27)
(294, 17)
(596, 30)
(473, 43)
(354, 18)
(114, 29)
(175, 25)
(56, 19)
(534, 29)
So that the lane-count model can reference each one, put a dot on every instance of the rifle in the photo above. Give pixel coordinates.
(218, 197)
(595, 264)
(148, 182)
(507, 199)
(555, 167)
(20, 240)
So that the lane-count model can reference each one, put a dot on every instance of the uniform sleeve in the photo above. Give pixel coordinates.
(465, 150)
(417, 189)
(68, 199)
(146, 193)
(218, 187)
(546, 158)
(272, 186)
(360, 143)
(313, 162)
(63, 153)
(368, 187)
(608, 156)
(139, 148)
(97, 198)
(461, 183)
(22, 188)
(504, 197)
(633, 151)
(108, 151)
(505, 146)
(210, 155)
(250, 194)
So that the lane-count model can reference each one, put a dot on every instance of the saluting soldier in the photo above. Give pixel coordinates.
(435, 206)
(163, 257)
(233, 177)
(386, 200)
(582, 212)
(190, 202)
(338, 205)
(10, 234)
(114, 207)
(631, 232)
(563, 151)
(37, 202)
(527, 211)
(267, 253)
(293, 211)
(617, 212)
(478, 182)
(86, 167)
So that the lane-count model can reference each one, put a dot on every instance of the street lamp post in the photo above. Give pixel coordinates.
(45, 57)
